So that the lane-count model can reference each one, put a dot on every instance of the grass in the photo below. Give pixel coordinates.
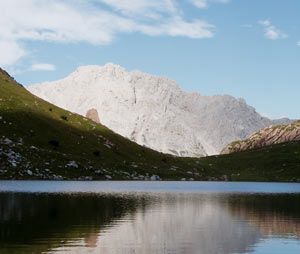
(41, 141)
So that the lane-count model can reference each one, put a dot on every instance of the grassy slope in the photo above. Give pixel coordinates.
(37, 122)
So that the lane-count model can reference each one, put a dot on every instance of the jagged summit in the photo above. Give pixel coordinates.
(154, 111)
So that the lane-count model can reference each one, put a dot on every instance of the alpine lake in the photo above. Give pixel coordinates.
(117, 217)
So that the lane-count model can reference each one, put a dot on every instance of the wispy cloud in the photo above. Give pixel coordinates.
(43, 67)
(298, 43)
(143, 8)
(199, 3)
(205, 3)
(265, 22)
(221, 1)
(10, 52)
(272, 32)
(97, 22)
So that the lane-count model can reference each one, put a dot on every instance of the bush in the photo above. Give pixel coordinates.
(50, 109)
(63, 117)
(54, 143)
(96, 153)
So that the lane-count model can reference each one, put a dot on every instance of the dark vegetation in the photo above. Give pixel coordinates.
(63, 117)
(54, 143)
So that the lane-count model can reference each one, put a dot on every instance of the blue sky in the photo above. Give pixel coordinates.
(245, 48)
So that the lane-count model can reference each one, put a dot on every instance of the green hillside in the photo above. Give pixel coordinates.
(41, 141)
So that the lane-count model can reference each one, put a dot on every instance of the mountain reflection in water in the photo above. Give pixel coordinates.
(208, 223)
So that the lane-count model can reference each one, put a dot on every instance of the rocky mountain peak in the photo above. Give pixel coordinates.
(154, 111)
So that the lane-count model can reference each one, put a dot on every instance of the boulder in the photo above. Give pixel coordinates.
(93, 115)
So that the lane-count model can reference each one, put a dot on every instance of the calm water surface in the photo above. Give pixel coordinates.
(149, 217)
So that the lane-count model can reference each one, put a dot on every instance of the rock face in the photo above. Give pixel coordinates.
(154, 111)
(269, 136)
(93, 115)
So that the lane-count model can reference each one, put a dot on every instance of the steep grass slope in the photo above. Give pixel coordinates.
(41, 141)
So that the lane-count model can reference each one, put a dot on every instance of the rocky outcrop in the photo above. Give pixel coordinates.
(269, 136)
(4, 75)
(93, 115)
(154, 111)
(4, 72)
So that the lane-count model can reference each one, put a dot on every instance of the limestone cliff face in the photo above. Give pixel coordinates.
(269, 136)
(154, 111)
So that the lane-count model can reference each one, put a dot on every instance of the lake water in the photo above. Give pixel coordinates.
(149, 217)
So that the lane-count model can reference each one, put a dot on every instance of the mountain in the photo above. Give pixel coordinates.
(266, 137)
(39, 140)
(154, 111)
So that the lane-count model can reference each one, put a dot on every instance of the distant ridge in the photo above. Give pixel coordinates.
(154, 111)
(267, 137)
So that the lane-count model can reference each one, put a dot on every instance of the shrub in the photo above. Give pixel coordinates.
(54, 143)
(96, 153)
(63, 117)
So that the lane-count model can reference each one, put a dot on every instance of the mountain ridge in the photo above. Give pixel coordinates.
(154, 111)
(39, 140)
(266, 137)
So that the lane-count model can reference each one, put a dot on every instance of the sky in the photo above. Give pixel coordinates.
(246, 48)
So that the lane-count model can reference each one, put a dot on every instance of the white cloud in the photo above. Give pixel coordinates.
(96, 22)
(221, 1)
(146, 8)
(178, 27)
(10, 52)
(204, 3)
(265, 22)
(199, 3)
(43, 67)
(272, 32)
(298, 43)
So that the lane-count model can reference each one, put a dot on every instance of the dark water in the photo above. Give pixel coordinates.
(149, 217)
